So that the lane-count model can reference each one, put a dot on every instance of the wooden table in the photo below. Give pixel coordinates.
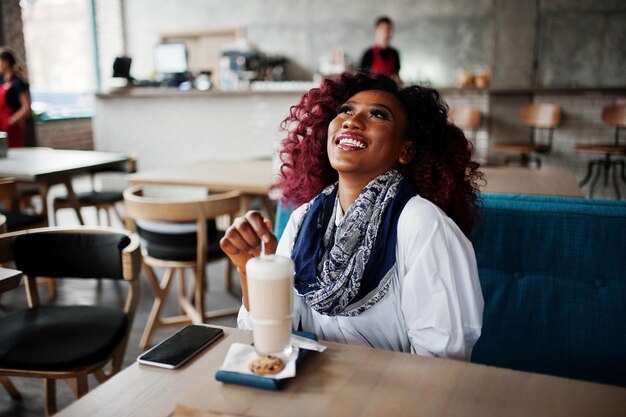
(251, 178)
(254, 178)
(46, 167)
(351, 381)
(544, 181)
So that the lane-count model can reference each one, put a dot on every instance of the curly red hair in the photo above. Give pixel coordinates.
(441, 169)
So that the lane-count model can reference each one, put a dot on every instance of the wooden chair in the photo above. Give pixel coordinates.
(613, 116)
(179, 235)
(540, 118)
(105, 200)
(467, 119)
(68, 342)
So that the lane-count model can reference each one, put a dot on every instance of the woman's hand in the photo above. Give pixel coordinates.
(242, 240)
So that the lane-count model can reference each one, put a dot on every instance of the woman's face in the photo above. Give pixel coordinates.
(4, 66)
(368, 135)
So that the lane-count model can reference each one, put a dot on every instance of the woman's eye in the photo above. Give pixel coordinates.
(380, 114)
(345, 108)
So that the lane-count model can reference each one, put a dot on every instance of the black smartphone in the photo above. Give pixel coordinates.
(181, 346)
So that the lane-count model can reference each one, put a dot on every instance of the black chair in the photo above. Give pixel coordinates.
(16, 219)
(68, 342)
(104, 200)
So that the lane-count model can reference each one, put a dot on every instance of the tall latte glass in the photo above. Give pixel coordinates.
(270, 298)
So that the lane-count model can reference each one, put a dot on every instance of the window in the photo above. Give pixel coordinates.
(58, 36)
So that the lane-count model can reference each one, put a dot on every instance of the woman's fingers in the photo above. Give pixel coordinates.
(270, 247)
(255, 220)
(247, 232)
(238, 257)
(236, 240)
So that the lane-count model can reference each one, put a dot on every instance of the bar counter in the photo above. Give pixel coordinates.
(167, 127)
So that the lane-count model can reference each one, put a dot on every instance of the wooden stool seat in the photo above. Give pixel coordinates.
(517, 149)
(601, 149)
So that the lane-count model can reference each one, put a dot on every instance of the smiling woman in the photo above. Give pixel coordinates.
(440, 164)
(386, 189)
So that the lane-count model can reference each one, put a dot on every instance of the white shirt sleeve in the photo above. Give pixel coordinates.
(441, 297)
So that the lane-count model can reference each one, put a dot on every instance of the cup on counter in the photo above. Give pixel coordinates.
(4, 144)
(270, 298)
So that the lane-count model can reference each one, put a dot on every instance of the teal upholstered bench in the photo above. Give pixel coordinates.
(553, 274)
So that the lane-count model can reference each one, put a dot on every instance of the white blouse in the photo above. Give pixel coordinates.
(434, 305)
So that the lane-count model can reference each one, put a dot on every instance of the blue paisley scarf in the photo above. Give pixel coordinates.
(346, 269)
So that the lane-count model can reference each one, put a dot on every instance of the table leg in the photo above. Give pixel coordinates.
(43, 190)
(71, 196)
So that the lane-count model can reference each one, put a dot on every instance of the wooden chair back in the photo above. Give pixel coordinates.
(140, 207)
(541, 115)
(615, 115)
(466, 118)
(130, 255)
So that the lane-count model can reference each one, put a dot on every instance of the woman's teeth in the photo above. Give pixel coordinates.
(352, 142)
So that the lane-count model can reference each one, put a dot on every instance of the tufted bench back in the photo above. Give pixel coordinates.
(553, 274)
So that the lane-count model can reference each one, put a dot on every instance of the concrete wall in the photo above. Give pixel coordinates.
(435, 37)
(582, 43)
(523, 42)
(11, 33)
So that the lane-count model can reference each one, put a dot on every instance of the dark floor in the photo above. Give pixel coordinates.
(106, 293)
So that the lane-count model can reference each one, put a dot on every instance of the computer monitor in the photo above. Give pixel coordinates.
(121, 67)
(170, 58)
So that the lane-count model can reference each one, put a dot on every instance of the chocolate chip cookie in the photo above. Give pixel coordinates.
(267, 365)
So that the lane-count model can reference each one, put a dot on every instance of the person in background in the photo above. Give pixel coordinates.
(381, 58)
(14, 99)
(386, 195)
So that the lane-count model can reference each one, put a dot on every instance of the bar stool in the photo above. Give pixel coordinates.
(467, 119)
(613, 116)
(540, 118)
